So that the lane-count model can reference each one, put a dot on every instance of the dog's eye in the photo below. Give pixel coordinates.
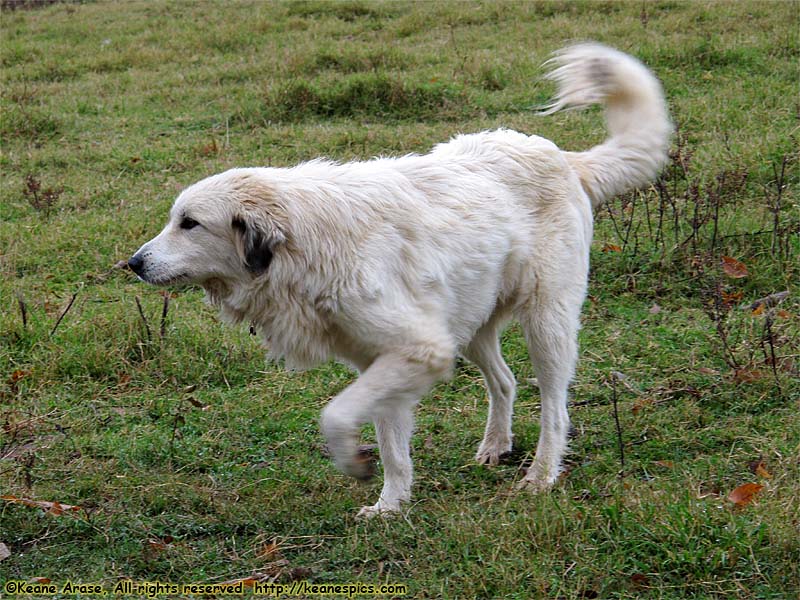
(188, 223)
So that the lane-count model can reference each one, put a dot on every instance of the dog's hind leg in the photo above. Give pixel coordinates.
(385, 393)
(484, 351)
(551, 330)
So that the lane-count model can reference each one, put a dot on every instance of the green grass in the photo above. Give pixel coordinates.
(190, 455)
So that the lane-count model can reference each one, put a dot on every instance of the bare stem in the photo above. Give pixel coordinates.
(63, 314)
(23, 309)
(619, 428)
(164, 309)
(144, 319)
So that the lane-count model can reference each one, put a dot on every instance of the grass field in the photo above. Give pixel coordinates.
(192, 459)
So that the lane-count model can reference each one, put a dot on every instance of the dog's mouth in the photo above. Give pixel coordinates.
(180, 279)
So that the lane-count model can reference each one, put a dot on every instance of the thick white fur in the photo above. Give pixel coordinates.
(396, 265)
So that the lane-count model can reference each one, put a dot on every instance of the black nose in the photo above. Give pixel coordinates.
(136, 264)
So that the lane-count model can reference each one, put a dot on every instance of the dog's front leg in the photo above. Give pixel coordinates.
(386, 394)
(393, 426)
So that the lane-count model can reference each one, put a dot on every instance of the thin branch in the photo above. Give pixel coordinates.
(614, 377)
(63, 314)
(613, 220)
(23, 309)
(165, 308)
(776, 205)
(144, 319)
(772, 359)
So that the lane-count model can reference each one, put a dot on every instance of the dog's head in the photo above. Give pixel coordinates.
(222, 231)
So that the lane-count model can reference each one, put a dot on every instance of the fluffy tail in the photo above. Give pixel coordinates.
(636, 116)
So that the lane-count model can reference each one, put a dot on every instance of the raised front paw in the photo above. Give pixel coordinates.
(361, 465)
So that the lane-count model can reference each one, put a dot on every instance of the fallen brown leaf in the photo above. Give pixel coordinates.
(757, 467)
(160, 544)
(269, 552)
(197, 404)
(53, 508)
(17, 375)
(744, 494)
(762, 472)
(209, 149)
(734, 268)
(732, 297)
(4, 551)
(747, 375)
(611, 248)
(246, 581)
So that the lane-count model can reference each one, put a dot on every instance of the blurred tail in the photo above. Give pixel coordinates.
(636, 116)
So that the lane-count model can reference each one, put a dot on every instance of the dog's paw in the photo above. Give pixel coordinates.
(490, 458)
(490, 453)
(533, 486)
(363, 465)
(378, 509)
(537, 481)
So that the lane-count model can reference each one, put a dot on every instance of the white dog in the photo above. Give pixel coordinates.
(396, 265)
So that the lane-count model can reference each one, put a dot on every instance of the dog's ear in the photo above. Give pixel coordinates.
(255, 240)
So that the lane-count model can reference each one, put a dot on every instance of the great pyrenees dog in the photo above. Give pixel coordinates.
(397, 265)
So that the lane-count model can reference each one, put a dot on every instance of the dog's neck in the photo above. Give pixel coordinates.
(216, 291)
(234, 299)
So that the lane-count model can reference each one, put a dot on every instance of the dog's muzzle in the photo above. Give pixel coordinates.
(136, 264)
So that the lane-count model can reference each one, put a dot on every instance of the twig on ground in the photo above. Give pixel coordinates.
(771, 341)
(614, 376)
(23, 309)
(63, 314)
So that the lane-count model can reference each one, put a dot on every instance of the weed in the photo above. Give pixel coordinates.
(30, 123)
(42, 200)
